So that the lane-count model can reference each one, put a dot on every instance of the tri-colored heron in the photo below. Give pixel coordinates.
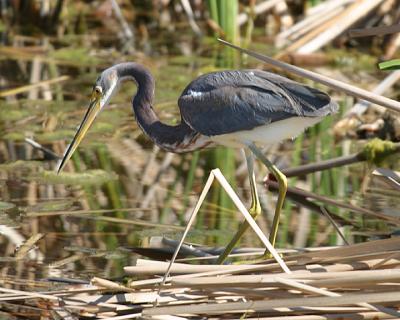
(236, 108)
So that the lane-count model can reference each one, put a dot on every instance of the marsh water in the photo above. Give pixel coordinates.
(119, 190)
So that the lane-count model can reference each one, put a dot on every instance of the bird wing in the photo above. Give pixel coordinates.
(229, 101)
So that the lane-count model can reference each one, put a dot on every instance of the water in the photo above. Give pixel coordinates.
(119, 190)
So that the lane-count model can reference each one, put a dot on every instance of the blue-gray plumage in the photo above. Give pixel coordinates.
(230, 101)
(240, 108)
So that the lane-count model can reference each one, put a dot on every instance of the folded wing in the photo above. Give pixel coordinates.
(230, 101)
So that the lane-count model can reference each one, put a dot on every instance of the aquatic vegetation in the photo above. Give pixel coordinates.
(95, 177)
(79, 56)
(20, 165)
(52, 205)
(376, 151)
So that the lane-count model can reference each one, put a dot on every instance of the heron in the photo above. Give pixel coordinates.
(245, 109)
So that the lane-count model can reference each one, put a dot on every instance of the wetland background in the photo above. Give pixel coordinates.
(119, 190)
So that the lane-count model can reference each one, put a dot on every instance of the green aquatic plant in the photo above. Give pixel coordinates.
(76, 56)
(376, 151)
(52, 205)
(12, 112)
(4, 206)
(390, 65)
(89, 177)
(224, 13)
(20, 165)
(55, 135)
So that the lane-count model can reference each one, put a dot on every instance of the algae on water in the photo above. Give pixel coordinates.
(79, 56)
(88, 178)
(20, 165)
(376, 150)
(55, 205)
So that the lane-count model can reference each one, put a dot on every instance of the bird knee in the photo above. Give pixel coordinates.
(255, 209)
(283, 184)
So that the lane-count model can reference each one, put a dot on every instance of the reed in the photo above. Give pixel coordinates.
(313, 3)
(224, 13)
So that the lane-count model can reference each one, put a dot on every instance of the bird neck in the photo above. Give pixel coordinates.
(179, 138)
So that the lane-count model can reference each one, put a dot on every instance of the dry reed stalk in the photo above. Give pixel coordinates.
(306, 194)
(138, 222)
(224, 183)
(374, 31)
(232, 255)
(322, 7)
(391, 178)
(327, 293)
(359, 265)
(314, 22)
(11, 92)
(334, 225)
(331, 163)
(252, 268)
(339, 315)
(354, 13)
(149, 267)
(245, 252)
(110, 285)
(189, 224)
(305, 266)
(258, 9)
(360, 107)
(391, 46)
(27, 246)
(126, 29)
(315, 16)
(216, 173)
(307, 38)
(15, 238)
(318, 279)
(189, 13)
(154, 184)
(30, 295)
(281, 12)
(149, 172)
(35, 77)
(262, 306)
(142, 297)
(168, 318)
(130, 316)
(67, 260)
(355, 278)
(372, 247)
(81, 212)
(270, 294)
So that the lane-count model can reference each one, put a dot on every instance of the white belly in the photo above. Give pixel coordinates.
(267, 134)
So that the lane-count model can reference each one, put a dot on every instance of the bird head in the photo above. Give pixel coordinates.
(102, 92)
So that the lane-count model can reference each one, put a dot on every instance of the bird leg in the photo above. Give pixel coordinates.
(255, 208)
(282, 182)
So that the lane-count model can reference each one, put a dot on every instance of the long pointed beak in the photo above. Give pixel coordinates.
(91, 113)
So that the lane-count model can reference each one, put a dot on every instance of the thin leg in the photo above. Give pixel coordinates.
(254, 210)
(282, 181)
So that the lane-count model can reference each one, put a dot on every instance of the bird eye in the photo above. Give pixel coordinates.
(98, 90)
